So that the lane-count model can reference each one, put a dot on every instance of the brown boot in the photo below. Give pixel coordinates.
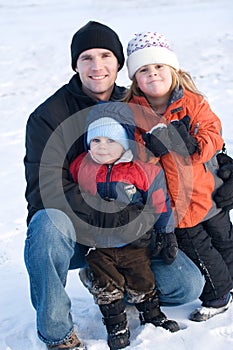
(72, 343)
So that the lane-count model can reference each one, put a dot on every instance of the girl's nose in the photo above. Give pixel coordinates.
(152, 71)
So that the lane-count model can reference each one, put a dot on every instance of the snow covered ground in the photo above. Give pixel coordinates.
(34, 62)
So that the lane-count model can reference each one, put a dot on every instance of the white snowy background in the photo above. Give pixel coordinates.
(34, 62)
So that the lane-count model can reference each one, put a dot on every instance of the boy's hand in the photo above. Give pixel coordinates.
(166, 245)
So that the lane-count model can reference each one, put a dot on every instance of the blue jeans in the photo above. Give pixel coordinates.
(51, 250)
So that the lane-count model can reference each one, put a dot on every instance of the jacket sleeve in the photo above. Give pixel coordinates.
(159, 199)
(49, 184)
(206, 128)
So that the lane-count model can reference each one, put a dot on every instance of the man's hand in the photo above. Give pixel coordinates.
(166, 245)
(224, 195)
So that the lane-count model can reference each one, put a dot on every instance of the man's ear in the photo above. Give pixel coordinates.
(76, 68)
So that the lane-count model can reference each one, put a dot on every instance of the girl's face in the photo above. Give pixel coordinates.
(154, 80)
(105, 151)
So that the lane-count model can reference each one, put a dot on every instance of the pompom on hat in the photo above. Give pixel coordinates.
(96, 35)
(110, 128)
(149, 48)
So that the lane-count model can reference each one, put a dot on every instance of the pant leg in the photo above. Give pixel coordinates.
(197, 244)
(115, 271)
(221, 232)
(106, 283)
(135, 266)
(178, 283)
(49, 248)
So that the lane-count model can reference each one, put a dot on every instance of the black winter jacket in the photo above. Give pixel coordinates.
(48, 117)
(54, 137)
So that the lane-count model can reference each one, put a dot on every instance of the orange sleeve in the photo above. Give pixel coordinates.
(207, 129)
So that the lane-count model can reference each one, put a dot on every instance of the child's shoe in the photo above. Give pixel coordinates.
(115, 320)
(211, 308)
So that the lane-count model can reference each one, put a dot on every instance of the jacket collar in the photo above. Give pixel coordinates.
(126, 157)
(75, 88)
(177, 93)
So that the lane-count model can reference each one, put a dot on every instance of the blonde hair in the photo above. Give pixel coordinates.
(179, 78)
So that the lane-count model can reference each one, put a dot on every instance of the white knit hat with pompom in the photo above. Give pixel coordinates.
(149, 48)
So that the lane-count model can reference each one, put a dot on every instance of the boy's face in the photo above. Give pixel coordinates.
(97, 70)
(105, 151)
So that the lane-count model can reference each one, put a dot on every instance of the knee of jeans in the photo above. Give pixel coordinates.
(48, 222)
(193, 288)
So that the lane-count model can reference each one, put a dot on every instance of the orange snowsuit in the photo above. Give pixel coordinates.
(191, 180)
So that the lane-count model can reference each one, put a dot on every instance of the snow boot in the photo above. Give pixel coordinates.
(115, 320)
(72, 343)
(150, 313)
(211, 308)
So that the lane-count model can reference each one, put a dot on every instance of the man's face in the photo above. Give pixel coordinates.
(97, 69)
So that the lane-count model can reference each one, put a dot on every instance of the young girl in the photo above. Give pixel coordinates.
(177, 125)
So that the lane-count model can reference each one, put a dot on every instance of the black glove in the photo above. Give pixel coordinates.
(224, 195)
(166, 245)
(157, 141)
(104, 224)
(181, 140)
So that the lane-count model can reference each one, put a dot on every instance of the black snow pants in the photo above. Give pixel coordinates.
(210, 246)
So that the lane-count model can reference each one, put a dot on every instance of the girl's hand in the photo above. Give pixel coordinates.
(181, 140)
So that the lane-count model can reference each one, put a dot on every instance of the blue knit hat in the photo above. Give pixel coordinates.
(110, 128)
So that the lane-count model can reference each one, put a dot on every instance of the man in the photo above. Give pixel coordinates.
(61, 222)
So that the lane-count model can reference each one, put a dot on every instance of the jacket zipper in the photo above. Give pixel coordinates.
(109, 170)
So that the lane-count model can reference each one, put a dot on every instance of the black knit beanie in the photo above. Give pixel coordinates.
(96, 35)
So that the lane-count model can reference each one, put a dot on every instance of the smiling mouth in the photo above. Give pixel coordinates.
(99, 77)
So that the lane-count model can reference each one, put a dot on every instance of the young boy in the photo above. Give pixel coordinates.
(110, 170)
